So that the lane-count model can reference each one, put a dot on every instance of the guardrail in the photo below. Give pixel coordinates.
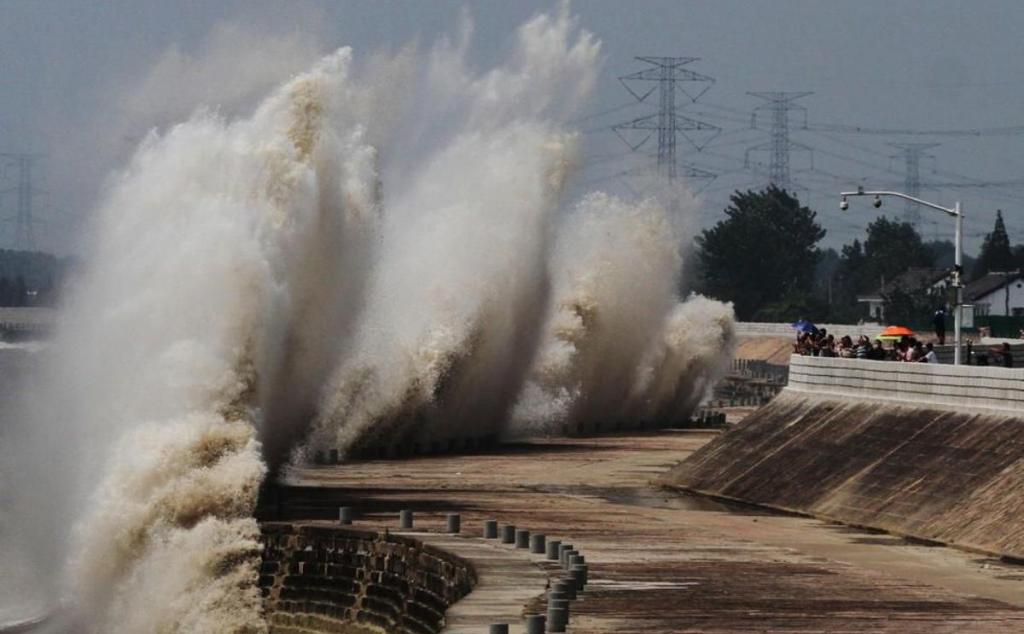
(759, 329)
(964, 387)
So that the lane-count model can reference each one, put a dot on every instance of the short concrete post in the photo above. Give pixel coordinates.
(535, 623)
(508, 534)
(577, 560)
(561, 551)
(537, 543)
(559, 595)
(570, 587)
(553, 549)
(558, 616)
(579, 575)
(491, 529)
(405, 519)
(567, 557)
(345, 514)
(557, 619)
(522, 538)
(454, 522)
(498, 628)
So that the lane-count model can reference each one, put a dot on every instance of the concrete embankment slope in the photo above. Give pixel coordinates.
(934, 452)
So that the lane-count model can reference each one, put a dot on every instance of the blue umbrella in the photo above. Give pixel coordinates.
(805, 326)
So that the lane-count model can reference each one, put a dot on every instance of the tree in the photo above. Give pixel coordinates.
(765, 250)
(944, 253)
(851, 278)
(891, 248)
(996, 254)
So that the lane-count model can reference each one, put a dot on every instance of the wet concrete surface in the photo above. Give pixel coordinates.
(665, 562)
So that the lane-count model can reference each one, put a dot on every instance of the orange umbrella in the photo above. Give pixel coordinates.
(895, 332)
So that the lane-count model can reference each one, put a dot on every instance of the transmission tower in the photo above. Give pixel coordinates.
(912, 153)
(23, 219)
(779, 104)
(668, 76)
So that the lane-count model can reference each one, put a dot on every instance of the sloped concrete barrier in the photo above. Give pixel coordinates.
(929, 451)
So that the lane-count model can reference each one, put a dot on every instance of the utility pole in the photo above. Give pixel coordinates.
(779, 146)
(911, 153)
(24, 233)
(667, 76)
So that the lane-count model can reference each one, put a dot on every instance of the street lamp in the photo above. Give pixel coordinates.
(957, 213)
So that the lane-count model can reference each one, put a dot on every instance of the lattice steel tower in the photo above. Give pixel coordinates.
(668, 75)
(24, 232)
(912, 153)
(779, 104)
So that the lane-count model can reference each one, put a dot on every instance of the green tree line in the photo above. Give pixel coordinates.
(764, 257)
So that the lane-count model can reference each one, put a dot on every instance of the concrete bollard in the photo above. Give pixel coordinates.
(491, 529)
(535, 623)
(345, 514)
(561, 551)
(579, 575)
(498, 628)
(537, 543)
(454, 522)
(508, 534)
(557, 596)
(567, 557)
(552, 549)
(570, 588)
(558, 618)
(405, 519)
(522, 538)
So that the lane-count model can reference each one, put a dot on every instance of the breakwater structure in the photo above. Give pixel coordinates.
(335, 579)
(26, 323)
(933, 452)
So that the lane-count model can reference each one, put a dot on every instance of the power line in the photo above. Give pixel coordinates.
(977, 132)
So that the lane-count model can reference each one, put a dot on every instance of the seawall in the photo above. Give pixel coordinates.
(930, 451)
(318, 578)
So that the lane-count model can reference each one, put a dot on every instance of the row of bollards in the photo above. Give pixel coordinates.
(453, 522)
(564, 589)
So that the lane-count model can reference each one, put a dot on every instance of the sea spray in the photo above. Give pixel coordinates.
(173, 346)
(358, 261)
(618, 347)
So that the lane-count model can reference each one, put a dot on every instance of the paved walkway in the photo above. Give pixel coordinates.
(660, 562)
(507, 579)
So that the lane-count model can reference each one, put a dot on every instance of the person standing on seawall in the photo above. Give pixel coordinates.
(939, 323)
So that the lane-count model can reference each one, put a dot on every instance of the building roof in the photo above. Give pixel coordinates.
(911, 279)
(990, 283)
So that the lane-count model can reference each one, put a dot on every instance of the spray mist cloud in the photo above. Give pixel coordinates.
(305, 278)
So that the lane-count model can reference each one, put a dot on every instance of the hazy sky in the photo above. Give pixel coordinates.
(80, 81)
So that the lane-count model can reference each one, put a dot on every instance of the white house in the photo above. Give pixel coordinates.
(1000, 294)
(916, 279)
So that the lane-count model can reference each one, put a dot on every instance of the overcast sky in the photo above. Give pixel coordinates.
(81, 80)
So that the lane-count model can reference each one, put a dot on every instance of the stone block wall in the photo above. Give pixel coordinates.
(319, 578)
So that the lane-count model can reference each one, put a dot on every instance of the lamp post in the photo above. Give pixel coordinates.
(957, 213)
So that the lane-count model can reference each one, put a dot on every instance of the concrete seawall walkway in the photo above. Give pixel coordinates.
(661, 562)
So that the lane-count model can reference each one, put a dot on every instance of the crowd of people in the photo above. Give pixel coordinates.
(820, 343)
